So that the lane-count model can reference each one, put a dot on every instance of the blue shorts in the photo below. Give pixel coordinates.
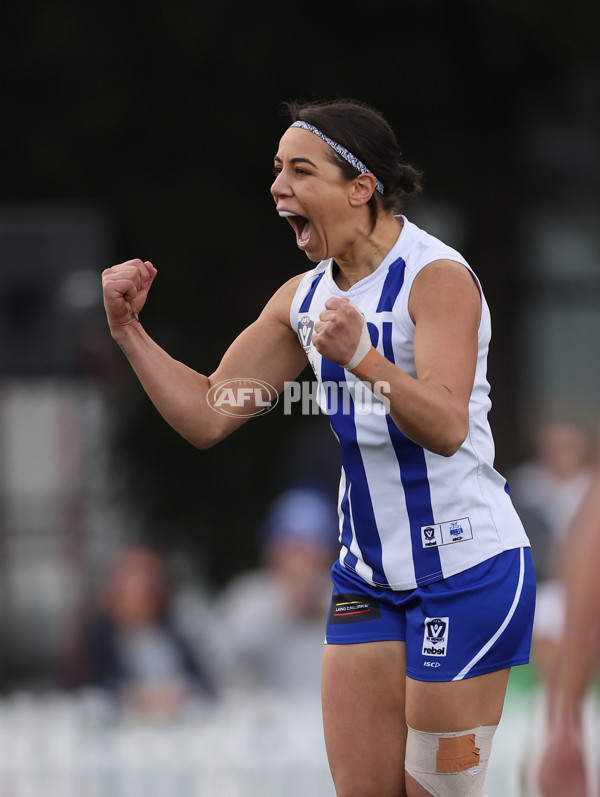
(475, 622)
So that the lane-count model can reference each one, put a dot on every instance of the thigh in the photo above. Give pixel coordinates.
(448, 707)
(441, 707)
(363, 717)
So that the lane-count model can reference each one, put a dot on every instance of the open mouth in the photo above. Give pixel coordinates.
(301, 226)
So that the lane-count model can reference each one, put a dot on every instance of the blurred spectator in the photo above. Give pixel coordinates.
(548, 488)
(274, 617)
(132, 648)
(547, 491)
(564, 769)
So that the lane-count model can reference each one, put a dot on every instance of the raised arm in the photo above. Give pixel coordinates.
(267, 350)
(433, 409)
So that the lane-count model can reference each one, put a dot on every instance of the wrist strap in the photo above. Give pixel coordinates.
(367, 365)
(365, 356)
(364, 344)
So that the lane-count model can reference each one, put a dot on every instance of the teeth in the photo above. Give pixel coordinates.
(305, 234)
(284, 213)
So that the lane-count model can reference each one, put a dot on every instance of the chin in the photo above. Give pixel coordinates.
(313, 257)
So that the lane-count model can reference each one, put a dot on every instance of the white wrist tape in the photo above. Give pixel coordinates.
(364, 344)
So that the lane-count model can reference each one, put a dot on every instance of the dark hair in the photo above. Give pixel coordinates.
(366, 134)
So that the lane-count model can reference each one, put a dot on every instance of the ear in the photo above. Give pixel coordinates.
(362, 189)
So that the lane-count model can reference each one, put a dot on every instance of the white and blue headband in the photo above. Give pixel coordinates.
(341, 151)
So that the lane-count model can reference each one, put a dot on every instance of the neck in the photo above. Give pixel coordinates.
(366, 253)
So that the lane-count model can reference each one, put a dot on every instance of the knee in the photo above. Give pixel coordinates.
(447, 764)
(414, 789)
(371, 787)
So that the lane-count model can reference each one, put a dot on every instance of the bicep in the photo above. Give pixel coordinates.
(268, 350)
(445, 305)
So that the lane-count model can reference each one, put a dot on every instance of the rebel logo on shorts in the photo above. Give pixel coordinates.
(353, 609)
(435, 638)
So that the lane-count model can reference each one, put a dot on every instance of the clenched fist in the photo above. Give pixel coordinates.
(338, 330)
(125, 288)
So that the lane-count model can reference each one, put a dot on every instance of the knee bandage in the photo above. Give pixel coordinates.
(450, 764)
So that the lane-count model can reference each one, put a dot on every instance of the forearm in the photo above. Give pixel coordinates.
(177, 391)
(579, 650)
(581, 636)
(426, 412)
(432, 407)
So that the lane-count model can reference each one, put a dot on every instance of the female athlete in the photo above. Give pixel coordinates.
(433, 590)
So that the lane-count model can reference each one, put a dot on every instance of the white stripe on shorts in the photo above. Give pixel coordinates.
(506, 621)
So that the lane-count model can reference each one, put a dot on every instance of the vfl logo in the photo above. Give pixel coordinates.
(435, 638)
(429, 537)
(305, 330)
(436, 629)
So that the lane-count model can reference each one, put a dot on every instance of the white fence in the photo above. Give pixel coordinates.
(58, 745)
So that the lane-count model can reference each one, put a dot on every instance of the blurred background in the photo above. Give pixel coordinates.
(147, 130)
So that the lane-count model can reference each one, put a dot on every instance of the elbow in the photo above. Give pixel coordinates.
(448, 450)
(453, 438)
(203, 442)
(207, 436)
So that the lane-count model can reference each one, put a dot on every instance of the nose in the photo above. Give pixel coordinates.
(280, 186)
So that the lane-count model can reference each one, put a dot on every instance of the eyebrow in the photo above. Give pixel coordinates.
(277, 159)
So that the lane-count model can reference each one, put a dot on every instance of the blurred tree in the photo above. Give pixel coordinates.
(167, 115)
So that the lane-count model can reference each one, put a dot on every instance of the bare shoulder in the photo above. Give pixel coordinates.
(446, 271)
(280, 303)
(444, 283)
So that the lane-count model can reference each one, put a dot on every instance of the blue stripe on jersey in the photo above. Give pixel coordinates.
(346, 536)
(338, 371)
(357, 489)
(413, 474)
(305, 306)
(392, 286)
(386, 340)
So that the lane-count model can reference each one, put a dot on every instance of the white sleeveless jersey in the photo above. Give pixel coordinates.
(407, 516)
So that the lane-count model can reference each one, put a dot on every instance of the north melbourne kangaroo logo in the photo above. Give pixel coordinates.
(435, 638)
